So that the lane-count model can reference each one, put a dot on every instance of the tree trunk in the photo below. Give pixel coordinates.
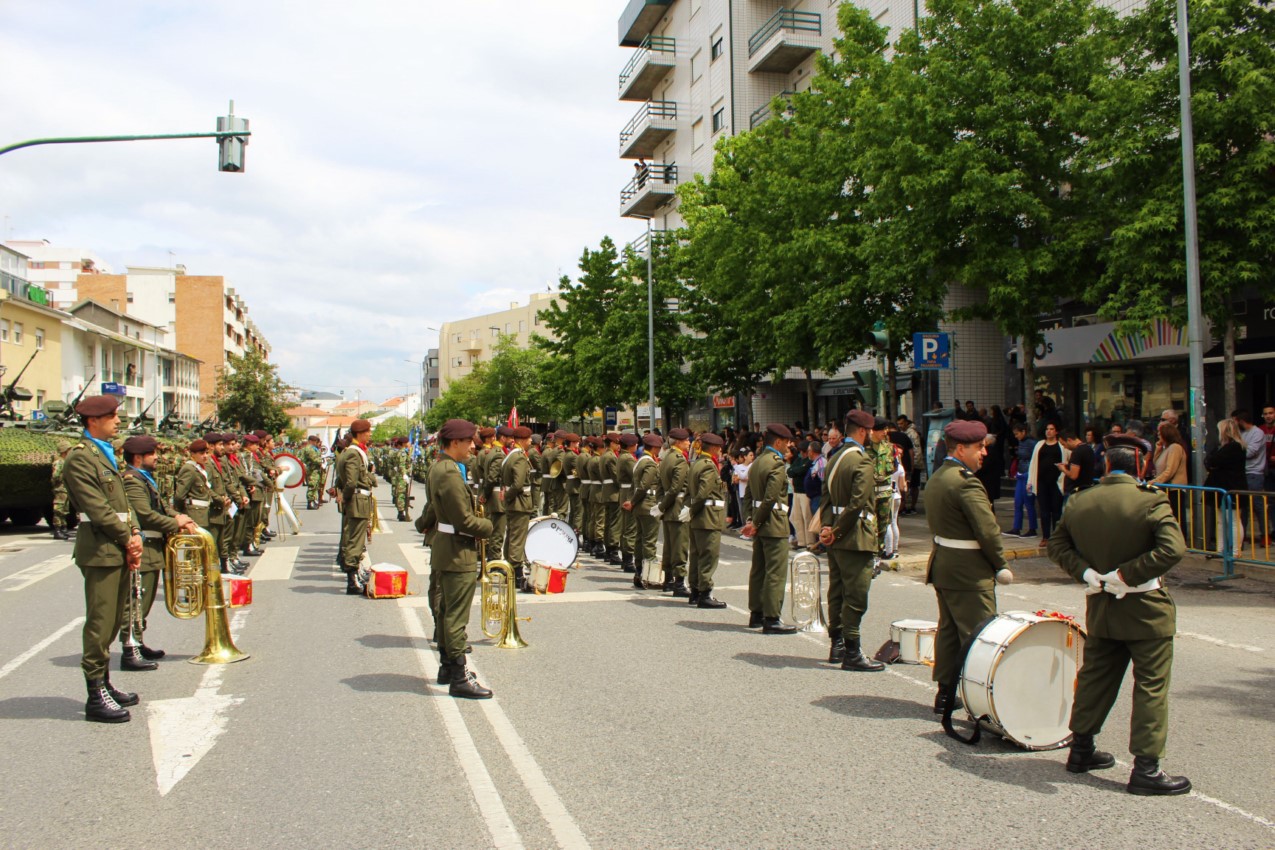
(1028, 350)
(810, 401)
(1228, 373)
(891, 389)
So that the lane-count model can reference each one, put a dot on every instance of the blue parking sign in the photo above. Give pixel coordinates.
(932, 351)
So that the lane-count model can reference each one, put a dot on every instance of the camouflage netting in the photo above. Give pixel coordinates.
(26, 466)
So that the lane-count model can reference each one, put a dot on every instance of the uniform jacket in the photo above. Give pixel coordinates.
(766, 495)
(256, 473)
(353, 476)
(493, 478)
(592, 489)
(449, 520)
(846, 501)
(957, 507)
(707, 487)
(646, 482)
(516, 476)
(193, 486)
(610, 473)
(551, 485)
(624, 476)
(1121, 525)
(571, 471)
(217, 514)
(675, 475)
(153, 517)
(97, 492)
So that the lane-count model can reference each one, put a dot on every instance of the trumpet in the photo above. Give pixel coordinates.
(805, 594)
(134, 623)
(499, 600)
(192, 586)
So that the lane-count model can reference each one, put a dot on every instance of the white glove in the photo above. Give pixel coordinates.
(1115, 585)
(1004, 576)
(656, 512)
(1093, 582)
(407, 477)
(684, 515)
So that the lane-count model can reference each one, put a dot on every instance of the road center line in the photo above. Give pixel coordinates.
(1220, 642)
(486, 797)
(25, 578)
(275, 564)
(38, 648)
(561, 823)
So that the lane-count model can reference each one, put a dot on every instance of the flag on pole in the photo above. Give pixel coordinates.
(512, 421)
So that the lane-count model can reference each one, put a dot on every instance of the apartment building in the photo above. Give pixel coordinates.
(30, 347)
(465, 342)
(56, 269)
(206, 319)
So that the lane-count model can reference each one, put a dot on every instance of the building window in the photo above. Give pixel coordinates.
(697, 134)
(719, 119)
(172, 298)
(128, 296)
(4, 330)
(697, 66)
(495, 332)
(17, 333)
(39, 339)
(522, 326)
(39, 399)
(717, 49)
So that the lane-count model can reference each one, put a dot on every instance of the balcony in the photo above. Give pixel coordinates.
(639, 18)
(649, 190)
(785, 41)
(653, 123)
(655, 57)
(762, 114)
(473, 344)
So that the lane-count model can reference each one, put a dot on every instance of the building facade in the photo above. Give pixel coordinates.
(30, 351)
(57, 270)
(466, 342)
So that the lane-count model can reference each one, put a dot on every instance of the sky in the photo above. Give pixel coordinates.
(412, 161)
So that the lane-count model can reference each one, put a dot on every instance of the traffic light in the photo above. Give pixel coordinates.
(869, 385)
(231, 148)
(878, 338)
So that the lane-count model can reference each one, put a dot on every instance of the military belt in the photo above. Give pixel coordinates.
(952, 543)
(608, 480)
(885, 488)
(451, 529)
(198, 503)
(153, 535)
(362, 492)
(626, 486)
(1152, 584)
(715, 503)
(776, 506)
(124, 517)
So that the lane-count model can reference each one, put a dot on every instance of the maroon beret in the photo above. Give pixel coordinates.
(358, 426)
(520, 432)
(572, 437)
(487, 432)
(777, 429)
(708, 438)
(652, 441)
(880, 423)
(561, 434)
(214, 438)
(260, 434)
(98, 405)
(611, 437)
(679, 434)
(457, 429)
(860, 419)
(140, 444)
(197, 446)
(251, 438)
(628, 440)
(965, 431)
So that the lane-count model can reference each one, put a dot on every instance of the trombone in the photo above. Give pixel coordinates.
(805, 594)
(192, 586)
(499, 600)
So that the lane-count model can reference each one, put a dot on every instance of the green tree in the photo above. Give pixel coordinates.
(1136, 132)
(516, 376)
(463, 399)
(250, 395)
(394, 426)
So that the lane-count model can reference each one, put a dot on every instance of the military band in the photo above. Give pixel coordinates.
(766, 500)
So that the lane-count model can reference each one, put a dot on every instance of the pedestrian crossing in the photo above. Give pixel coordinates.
(23, 579)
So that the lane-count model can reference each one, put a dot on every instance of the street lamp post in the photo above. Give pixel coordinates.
(500, 379)
(650, 326)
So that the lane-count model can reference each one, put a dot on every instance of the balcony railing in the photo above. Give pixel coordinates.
(652, 60)
(654, 122)
(784, 41)
(762, 113)
(652, 187)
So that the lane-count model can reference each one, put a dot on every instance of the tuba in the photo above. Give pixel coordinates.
(805, 594)
(499, 600)
(555, 468)
(192, 586)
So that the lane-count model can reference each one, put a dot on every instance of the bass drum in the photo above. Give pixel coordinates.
(291, 470)
(1019, 678)
(552, 542)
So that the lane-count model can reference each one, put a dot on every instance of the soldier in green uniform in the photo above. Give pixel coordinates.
(238, 482)
(516, 477)
(624, 478)
(610, 495)
(157, 520)
(766, 499)
(675, 474)
(166, 463)
(537, 459)
(60, 501)
(478, 465)
(1120, 538)
(494, 494)
(453, 529)
(848, 531)
(586, 467)
(108, 543)
(554, 483)
(571, 463)
(312, 459)
(707, 502)
(223, 499)
(644, 506)
(192, 494)
(396, 470)
(257, 490)
(354, 483)
(968, 558)
(881, 451)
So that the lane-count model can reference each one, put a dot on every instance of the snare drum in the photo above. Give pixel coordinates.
(1019, 678)
(915, 639)
(552, 542)
(548, 579)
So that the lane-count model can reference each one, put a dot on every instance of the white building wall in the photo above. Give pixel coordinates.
(59, 267)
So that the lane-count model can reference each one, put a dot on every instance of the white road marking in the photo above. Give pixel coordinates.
(38, 648)
(276, 564)
(561, 823)
(486, 797)
(417, 557)
(23, 579)
(1220, 642)
(182, 731)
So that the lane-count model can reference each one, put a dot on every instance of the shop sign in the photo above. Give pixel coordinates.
(720, 403)
(1102, 343)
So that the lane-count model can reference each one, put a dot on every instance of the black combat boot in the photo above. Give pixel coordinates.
(523, 583)
(102, 707)
(403, 517)
(670, 581)
(151, 654)
(626, 561)
(61, 533)
(250, 551)
(225, 566)
(124, 698)
(679, 588)
(353, 587)
(465, 683)
(638, 566)
(776, 626)
(945, 697)
(706, 600)
(446, 671)
(837, 653)
(1084, 757)
(1148, 780)
(131, 659)
(856, 660)
(694, 600)
(267, 534)
(754, 620)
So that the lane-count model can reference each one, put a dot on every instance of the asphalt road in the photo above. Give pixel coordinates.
(632, 720)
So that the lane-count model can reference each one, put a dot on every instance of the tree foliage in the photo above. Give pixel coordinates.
(250, 395)
(388, 429)
(513, 376)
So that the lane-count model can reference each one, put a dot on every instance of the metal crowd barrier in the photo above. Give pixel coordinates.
(1230, 526)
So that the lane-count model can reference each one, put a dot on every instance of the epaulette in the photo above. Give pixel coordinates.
(1148, 487)
(858, 449)
(965, 473)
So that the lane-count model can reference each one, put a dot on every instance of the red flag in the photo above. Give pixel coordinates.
(512, 421)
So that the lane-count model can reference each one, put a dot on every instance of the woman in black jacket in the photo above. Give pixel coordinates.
(1225, 465)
